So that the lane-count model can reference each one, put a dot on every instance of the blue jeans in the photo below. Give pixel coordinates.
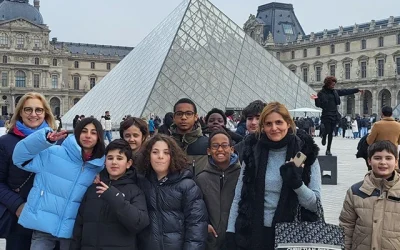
(364, 131)
(355, 134)
(107, 135)
(45, 241)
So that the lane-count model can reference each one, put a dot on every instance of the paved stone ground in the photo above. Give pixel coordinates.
(350, 171)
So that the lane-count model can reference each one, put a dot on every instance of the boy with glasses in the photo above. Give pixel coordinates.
(188, 134)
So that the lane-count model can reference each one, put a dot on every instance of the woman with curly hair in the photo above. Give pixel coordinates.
(177, 212)
(328, 99)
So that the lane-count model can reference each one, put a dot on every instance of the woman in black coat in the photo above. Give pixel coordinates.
(177, 212)
(328, 99)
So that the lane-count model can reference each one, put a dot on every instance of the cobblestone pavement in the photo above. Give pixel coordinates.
(350, 171)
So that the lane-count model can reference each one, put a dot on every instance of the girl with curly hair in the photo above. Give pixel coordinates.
(177, 212)
(328, 99)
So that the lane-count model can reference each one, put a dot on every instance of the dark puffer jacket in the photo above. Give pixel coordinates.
(178, 215)
(111, 221)
(11, 177)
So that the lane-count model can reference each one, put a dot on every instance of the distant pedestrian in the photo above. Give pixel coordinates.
(107, 127)
(166, 127)
(354, 128)
(152, 128)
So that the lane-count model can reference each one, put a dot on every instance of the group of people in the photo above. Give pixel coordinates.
(193, 188)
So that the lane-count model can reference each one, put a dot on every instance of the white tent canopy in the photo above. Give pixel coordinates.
(306, 110)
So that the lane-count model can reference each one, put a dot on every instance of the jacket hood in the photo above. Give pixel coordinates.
(129, 177)
(371, 182)
(233, 165)
(75, 152)
(188, 138)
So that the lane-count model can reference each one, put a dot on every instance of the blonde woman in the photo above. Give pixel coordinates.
(31, 114)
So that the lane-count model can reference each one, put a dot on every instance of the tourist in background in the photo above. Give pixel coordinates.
(328, 99)
(270, 186)
(354, 128)
(385, 129)
(31, 114)
(62, 175)
(165, 128)
(216, 120)
(178, 215)
(152, 128)
(217, 182)
(107, 127)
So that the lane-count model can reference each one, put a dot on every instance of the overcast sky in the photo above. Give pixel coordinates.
(127, 22)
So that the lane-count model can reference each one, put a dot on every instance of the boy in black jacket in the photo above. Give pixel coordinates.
(113, 210)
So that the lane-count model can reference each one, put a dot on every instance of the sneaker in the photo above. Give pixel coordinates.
(323, 141)
(328, 152)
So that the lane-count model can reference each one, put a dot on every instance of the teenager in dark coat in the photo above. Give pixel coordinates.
(328, 99)
(177, 212)
(113, 211)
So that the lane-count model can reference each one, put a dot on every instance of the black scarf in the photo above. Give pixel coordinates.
(250, 221)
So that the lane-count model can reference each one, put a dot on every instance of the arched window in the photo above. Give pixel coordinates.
(20, 79)
(3, 39)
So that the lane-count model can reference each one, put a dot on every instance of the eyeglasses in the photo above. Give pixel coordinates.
(188, 114)
(29, 110)
(215, 146)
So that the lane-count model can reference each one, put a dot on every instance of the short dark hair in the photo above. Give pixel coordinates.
(254, 108)
(186, 100)
(329, 80)
(99, 148)
(121, 145)
(380, 146)
(216, 111)
(387, 111)
(134, 121)
(178, 157)
(222, 132)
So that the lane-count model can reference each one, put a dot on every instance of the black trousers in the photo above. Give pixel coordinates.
(267, 242)
(330, 126)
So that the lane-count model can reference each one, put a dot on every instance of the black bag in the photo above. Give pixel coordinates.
(362, 148)
(7, 219)
(313, 235)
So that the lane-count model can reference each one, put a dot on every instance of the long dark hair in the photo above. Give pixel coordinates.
(99, 148)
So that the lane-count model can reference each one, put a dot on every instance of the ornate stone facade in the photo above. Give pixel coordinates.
(63, 72)
(365, 56)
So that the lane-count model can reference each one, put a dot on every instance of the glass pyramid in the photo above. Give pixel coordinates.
(199, 53)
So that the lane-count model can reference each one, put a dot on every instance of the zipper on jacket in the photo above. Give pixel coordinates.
(69, 198)
(194, 168)
(221, 181)
(159, 219)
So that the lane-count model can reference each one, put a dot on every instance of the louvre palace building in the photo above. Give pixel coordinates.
(365, 55)
(31, 61)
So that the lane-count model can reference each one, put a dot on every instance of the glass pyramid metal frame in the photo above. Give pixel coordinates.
(199, 53)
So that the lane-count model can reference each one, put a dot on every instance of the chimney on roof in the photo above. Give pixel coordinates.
(36, 4)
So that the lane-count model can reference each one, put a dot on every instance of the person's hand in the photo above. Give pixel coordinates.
(314, 96)
(292, 175)
(101, 188)
(212, 230)
(361, 91)
(96, 179)
(55, 136)
(19, 210)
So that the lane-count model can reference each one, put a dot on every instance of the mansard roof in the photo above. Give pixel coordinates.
(93, 49)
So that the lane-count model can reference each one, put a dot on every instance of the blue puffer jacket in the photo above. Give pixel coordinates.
(61, 180)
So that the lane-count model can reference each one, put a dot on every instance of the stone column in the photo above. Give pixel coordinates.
(357, 100)
(343, 107)
(393, 98)
(375, 100)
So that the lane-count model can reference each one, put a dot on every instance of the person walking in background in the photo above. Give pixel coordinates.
(107, 127)
(217, 182)
(113, 211)
(177, 212)
(32, 113)
(328, 99)
(344, 126)
(370, 210)
(364, 126)
(354, 128)
(385, 129)
(75, 121)
(53, 202)
(152, 128)
(165, 128)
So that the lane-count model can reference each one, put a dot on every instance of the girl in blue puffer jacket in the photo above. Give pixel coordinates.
(63, 173)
